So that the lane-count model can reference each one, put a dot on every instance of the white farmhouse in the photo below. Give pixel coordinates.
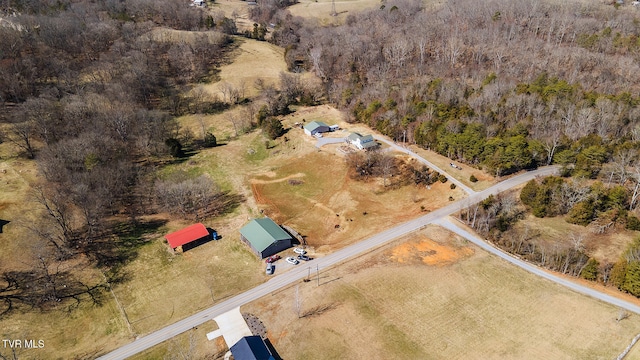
(366, 142)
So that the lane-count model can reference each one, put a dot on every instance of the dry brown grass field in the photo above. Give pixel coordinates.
(321, 9)
(606, 247)
(16, 175)
(231, 8)
(251, 61)
(484, 180)
(334, 211)
(313, 192)
(442, 299)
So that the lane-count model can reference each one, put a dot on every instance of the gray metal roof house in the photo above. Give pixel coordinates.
(265, 237)
(251, 348)
(315, 127)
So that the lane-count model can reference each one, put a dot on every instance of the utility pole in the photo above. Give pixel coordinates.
(318, 274)
(333, 8)
(308, 275)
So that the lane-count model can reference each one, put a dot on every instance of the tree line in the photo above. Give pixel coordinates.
(601, 207)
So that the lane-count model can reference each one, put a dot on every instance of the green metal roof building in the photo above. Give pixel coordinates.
(265, 237)
(316, 127)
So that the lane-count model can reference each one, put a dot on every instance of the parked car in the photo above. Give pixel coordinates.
(270, 268)
(304, 257)
(272, 258)
(300, 251)
(291, 260)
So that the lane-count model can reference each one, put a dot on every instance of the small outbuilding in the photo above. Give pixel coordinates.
(316, 127)
(366, 142)
(251, 348)
(188, 237)
(265, 237)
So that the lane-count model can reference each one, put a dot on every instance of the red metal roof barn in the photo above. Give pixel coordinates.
(187, 235)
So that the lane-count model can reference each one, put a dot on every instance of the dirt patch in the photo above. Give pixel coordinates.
(428, 252)
(290, 177)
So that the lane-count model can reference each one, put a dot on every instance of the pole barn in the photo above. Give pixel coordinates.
(192, 236)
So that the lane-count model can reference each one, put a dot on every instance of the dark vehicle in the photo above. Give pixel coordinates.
(304, 257)
(270, 268)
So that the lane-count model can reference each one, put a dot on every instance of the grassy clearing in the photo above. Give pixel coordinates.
(252, 60)
(321, 9)
(484, 180)
(477, 307)
(231, 7)
(325, 113)
(217, 124)
(257, 150)
(605, 247)
(183, 36)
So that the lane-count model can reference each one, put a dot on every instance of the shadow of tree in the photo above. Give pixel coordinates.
(221, 204)
(45, 290)
(119, 243)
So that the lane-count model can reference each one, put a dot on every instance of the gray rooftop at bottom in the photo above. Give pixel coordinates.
(263, 232)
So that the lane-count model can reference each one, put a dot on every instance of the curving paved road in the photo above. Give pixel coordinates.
(429, 164)
(300, 272)
(447, 224)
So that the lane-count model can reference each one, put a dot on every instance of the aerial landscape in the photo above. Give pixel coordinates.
(319, 179)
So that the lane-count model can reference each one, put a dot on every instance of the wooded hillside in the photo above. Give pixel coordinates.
(90, 90)
(499, 84)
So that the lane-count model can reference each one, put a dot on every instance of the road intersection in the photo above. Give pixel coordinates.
(298, 273)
